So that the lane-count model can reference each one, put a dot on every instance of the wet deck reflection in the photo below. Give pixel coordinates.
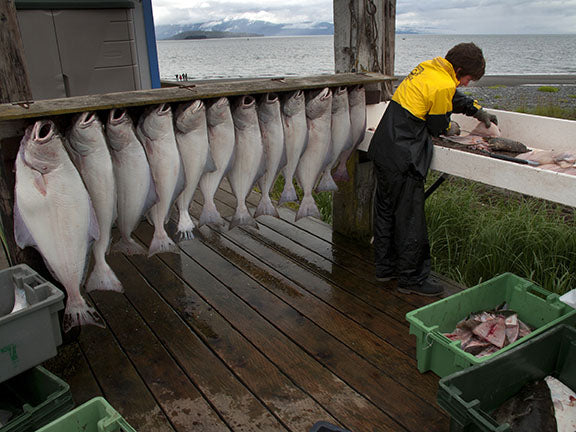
(268, 329)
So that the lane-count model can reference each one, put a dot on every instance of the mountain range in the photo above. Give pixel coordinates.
(262, 28)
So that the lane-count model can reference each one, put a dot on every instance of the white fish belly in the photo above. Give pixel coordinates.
(249, 152)
(312, 161)
(194, 150)
(59, 221)
(165, 166)
(134, 180)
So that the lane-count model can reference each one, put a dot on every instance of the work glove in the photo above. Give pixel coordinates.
(453, 129)
(485, 117)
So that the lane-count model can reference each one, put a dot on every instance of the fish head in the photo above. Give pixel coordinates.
(339, 99)
(293, 103)
(119, 129)
(268, 108)
(156, 121)
(42, 147)
(318, 103)
(85, 132)
(244, 114)
(218, 112)
(357, 95)
(190, 116)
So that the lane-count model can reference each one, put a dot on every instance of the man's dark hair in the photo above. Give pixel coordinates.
(467, 59)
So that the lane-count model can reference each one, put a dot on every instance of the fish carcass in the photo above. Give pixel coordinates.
(357, 103)
(53, 213)
(341, 137)
(156, 132)
(88, 151)
(248, 161)
(312, 162)
(221, 140)
(134, 184)
(270, 119)
(192, 139)
(295, 140)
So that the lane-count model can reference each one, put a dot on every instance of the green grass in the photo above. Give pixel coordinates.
(496, 86)
(548, 89)
(477, 232)
(550, 110)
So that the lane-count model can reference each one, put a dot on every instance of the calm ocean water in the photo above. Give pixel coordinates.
(313, 55)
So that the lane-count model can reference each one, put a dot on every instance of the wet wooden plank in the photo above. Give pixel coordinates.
(343, 402)
(120, 383)
(183, 93)
(377, 351)
(393, 397)
(72, 366)
(319, 237)
(190, 328)
(383, 296)
(172, 389)
(291, 278)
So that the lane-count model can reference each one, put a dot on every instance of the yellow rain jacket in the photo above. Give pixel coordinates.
(420, 108)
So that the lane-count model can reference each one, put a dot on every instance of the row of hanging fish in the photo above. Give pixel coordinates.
(71, 190)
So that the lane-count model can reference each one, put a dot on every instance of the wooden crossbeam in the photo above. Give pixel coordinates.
(182, 93)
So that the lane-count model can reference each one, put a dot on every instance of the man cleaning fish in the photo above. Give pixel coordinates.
(401, 150)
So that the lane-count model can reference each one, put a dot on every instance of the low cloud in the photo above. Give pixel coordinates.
(434, 16)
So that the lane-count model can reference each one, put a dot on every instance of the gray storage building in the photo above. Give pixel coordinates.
(81, 47)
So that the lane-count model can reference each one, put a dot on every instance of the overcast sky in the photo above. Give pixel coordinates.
(435, 16)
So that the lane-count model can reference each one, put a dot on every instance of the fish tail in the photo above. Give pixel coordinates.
(185, 225)
(242, 217)
(161, 243)
(326, 183)
(79, 313)
(341, 172)
(103, 278)
(210, 215)
(265, 207)
(308, 207)
(128, 246)
(288, 194)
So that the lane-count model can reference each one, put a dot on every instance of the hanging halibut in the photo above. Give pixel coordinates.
(156, 132)
(221, 139)
(357, 102)
(270, 119)
(192, 138)
(87, 148)
(312, 162)
(341, 137)
(53, 213)
(248, 161)
(134, 184)
(295, 140)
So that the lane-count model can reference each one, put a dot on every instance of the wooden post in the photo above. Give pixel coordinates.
(364, 38)
(14, 87)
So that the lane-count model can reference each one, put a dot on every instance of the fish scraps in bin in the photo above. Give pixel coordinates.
(484, 333)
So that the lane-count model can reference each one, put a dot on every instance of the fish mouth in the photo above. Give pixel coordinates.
(117, 116)
(299, 94)
(86, 119)
(43, 131)
(163, 109)
(339, 90)
(194, 106)
(271, 98)
(325, 94)
(248, 101)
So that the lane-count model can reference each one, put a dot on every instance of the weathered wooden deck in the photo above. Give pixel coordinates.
(254, 330)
